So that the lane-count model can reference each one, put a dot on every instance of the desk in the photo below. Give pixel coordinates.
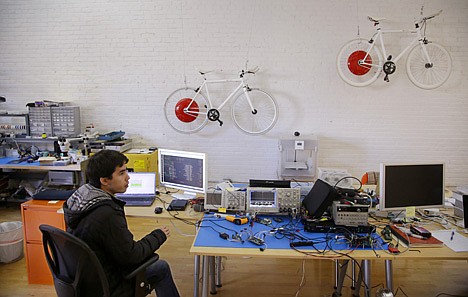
(79, 169)
(204, 257)
(163, 201)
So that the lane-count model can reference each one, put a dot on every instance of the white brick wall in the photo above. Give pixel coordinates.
(118, 60)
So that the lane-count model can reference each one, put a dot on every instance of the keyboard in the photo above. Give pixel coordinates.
(143, 201)
(183, 196)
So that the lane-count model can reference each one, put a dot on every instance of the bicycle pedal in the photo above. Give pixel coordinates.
(220, 122)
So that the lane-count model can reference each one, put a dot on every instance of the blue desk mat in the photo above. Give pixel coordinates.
(208, 235)
(6, 160)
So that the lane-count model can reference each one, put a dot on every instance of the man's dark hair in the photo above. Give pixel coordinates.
(103, 164)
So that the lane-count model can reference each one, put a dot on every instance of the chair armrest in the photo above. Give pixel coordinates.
(142, 267)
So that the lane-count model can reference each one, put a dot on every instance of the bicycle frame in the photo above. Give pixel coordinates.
(379, 35)
(242, 84)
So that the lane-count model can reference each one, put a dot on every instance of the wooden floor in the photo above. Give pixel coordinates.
(259, 277)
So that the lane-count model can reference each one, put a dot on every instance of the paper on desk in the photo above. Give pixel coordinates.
(459, 243)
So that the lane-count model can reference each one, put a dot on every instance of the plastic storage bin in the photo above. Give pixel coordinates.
(11, 241)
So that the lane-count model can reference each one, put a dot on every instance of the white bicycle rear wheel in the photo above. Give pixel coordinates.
(264, 116)
(184, 115)
(349, 67)
(429, 76)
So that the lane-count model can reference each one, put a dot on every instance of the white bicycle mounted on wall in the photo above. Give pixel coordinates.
(428, 64)
(254, 111)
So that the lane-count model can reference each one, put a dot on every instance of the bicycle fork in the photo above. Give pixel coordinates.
(246, 90)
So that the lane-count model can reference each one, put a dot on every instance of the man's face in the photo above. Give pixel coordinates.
(119, 181)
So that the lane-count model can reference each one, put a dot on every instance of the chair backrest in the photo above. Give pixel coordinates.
(75, 268)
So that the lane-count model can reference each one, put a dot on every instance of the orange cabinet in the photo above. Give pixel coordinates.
(35, 213)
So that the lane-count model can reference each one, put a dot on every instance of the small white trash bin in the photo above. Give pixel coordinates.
(11, 241)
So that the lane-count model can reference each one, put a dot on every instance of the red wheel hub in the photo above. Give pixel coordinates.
(355, 67)
(185, 113)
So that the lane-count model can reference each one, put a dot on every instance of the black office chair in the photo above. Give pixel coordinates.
(76, 269)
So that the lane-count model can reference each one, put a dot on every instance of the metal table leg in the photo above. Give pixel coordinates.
(353, 274)
(389, 274)
(218, 272)
(211, 260)
(337, 273)
(367, 277)
(196, 276)
(341, 273)
(205, 277)
(364, 274)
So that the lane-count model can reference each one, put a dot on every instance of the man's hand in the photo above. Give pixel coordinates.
(166, 231)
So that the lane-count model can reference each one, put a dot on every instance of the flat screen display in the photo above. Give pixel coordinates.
(182, 170)
(411, 185)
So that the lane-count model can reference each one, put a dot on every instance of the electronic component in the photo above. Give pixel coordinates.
(288, 199)
(392, 249)
(319, 198)
(356, 240)
(420, 231)
(224, 236)
(273, 200)
(263, 221)
(262, 200)
(256, 240)
(177, 204)
(387, 233)
(301, 243)
(230, 199)
(350, 214)
(237, 221)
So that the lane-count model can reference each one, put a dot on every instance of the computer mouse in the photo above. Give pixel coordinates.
(158, 210)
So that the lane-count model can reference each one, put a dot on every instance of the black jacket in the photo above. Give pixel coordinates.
(98, 218)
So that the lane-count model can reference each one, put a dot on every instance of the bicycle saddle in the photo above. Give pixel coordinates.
(203, 72)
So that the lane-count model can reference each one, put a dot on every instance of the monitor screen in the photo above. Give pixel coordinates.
(182, 170)
(411, 185)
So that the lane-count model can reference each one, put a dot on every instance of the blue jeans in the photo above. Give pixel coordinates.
(160, 277)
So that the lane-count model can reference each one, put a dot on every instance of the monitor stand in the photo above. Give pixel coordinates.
(186, 195)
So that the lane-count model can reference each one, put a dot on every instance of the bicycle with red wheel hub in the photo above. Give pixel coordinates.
(428, 64)
(254, 111)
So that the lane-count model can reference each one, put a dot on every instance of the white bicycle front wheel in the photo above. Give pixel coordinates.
(429, 74)
(185, 114)
(356, 66)
(259, 120)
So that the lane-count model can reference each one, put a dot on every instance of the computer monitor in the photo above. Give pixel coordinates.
(411, 185)
(183, 170)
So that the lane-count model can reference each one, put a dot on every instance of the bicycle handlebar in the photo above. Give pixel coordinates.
(242, 72)
(254, 70)
(423, 19)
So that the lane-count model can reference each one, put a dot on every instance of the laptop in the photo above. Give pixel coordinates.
(141, 189)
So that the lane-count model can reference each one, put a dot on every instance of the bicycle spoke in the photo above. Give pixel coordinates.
(355, 73)
(260, 121)
(183, 113)
(429, 75)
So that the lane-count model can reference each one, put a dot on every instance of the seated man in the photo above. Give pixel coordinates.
(97, 217)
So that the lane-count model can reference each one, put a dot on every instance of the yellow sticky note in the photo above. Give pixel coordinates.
(411, 212)
(222, 209)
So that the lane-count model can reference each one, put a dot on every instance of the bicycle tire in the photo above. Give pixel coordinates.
(186, 122)
(255, 123)
(428, 77)
(347, 63)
